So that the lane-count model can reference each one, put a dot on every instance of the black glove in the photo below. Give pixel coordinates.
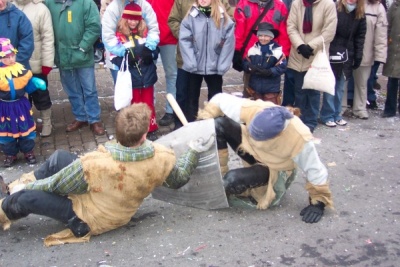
(147, 56)
(264, 72)
(313, 213)
(131, 57)
(237, 59)
(305, 50)
(252, 68)
(357, 63)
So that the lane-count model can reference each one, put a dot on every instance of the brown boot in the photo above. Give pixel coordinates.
(46, 126)
(4, 221)
(223, 157)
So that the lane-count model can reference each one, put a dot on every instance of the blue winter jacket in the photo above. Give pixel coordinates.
(272, 59)
(15, 26)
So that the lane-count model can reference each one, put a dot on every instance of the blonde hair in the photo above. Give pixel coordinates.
(123, 27)
(131, 123)
(360, 9)
(216, 13)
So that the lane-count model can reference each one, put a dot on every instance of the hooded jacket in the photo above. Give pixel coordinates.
(15, 26)
(76, 25)
(206, 49)
(178, 12)
(40, 18)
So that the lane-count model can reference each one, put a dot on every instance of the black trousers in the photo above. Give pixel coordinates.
(41, 99)
(239, 180)
(25, 202)
(214, 84)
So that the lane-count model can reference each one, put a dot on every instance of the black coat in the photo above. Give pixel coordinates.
(347, 24)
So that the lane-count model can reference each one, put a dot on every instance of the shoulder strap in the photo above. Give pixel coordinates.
(255, 25)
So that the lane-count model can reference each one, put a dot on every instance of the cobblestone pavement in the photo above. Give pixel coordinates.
(84, 140)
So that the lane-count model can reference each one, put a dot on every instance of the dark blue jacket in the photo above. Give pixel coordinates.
(142, 75)
(272, 59)
(15, 26)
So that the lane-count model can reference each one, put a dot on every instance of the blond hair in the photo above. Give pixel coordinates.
(123, 27)
(131, 123)
(360, 9)
(216, 13)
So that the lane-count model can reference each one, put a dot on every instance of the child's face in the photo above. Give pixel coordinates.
(133, 23)
(204, 3)
(8, 60)
(264, 39)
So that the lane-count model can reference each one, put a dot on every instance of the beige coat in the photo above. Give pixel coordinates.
(324, 24)
(40, 18)
(392, 66)
(375, 45)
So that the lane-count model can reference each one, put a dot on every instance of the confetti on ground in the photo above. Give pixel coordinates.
(331, 164)
(200, 248)
(316, 141)
(368, 241)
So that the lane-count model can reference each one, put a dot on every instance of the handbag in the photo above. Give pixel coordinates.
(123, 86)
(342, 55)
(320, 76)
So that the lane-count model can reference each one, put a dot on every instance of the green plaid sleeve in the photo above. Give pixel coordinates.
(69, 180)
(184, 167)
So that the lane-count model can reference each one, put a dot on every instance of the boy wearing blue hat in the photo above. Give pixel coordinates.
(273, 142)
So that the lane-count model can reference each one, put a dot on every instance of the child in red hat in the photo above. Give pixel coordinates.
(17, 126)
(132, 31)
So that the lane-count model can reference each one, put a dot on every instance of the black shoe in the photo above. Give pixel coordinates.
(385, 115)
(152, 136)
(167, 119)
(377, 86)
(372, 105)
(30, 157)
(9, 161)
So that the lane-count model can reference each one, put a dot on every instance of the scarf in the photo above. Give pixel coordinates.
(206, 10)
(307, 22)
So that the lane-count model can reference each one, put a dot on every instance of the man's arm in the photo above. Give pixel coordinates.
(187, 162)
(69, 180)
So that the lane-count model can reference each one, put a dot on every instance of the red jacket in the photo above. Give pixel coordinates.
(246, 14)
(162, 8)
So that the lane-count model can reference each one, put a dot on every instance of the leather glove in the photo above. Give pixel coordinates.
(264, 72)
(200, 145)
(46, 70)
(313, 213)
(237, 59)
(357, 63)
(147, 56)
(305, 50)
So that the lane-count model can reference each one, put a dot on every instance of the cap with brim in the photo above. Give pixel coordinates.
(265, 28)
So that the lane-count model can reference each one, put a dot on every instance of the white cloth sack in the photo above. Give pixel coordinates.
(123, 86)
(320, 76)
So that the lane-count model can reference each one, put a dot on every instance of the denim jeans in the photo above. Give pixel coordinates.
(56, 162)
(392, 96)
(80, 86)
(332, 105)
(307, 100)
(168, 58)
(114, 74)
(288, 89)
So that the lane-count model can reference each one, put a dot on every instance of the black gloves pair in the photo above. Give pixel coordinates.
(254, 69)
(147, 56)
(313, 213)
(305, 50)
(237, 61)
